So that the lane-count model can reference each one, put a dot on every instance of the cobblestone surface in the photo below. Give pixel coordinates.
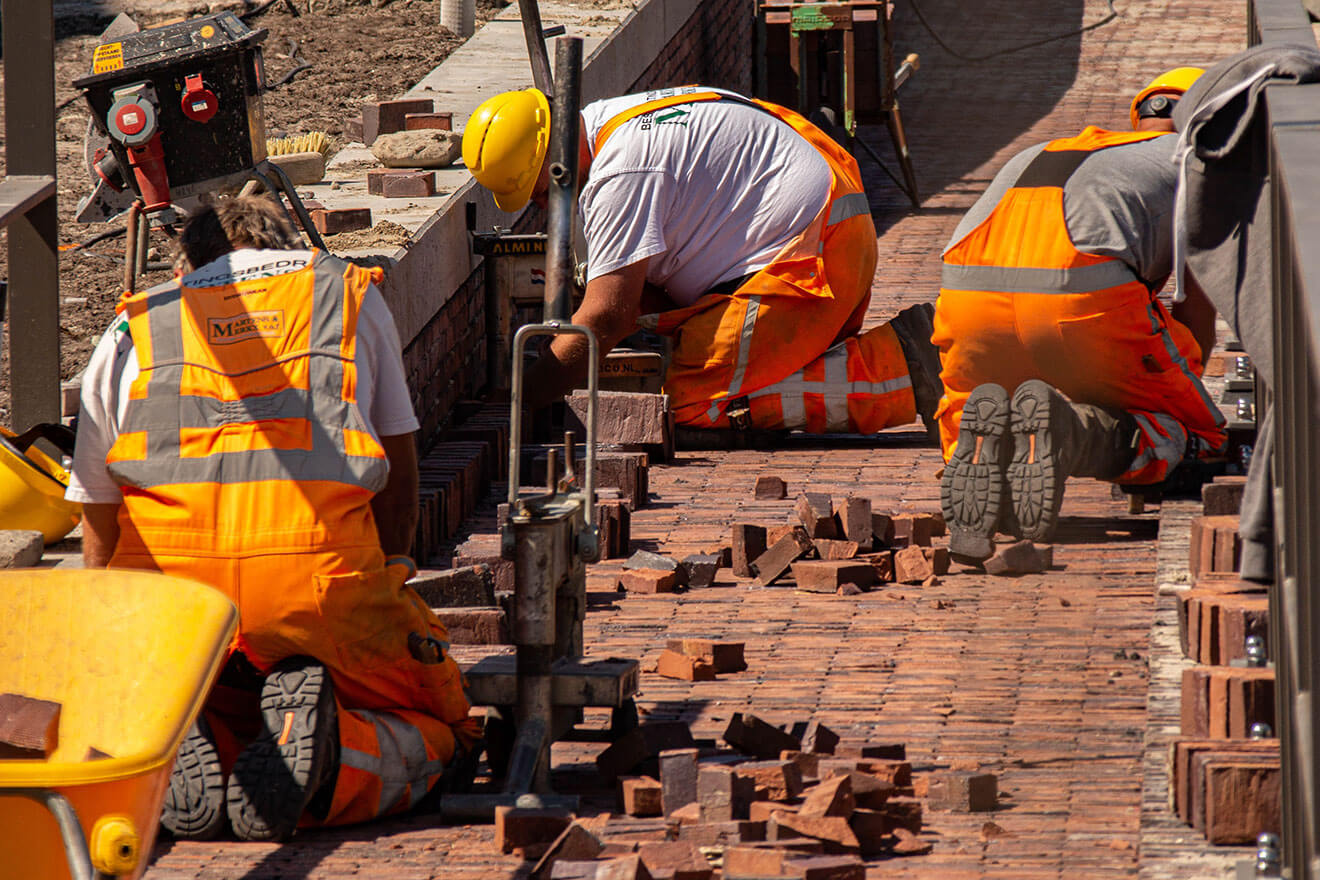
(1043, 679)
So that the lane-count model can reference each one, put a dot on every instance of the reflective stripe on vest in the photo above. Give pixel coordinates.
(1066, 270)
(309, 434)
(402, 764)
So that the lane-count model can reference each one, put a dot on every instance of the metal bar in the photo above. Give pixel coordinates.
(34, 284)
(564, 134)
(534, 34)
(18, 194)
(130, 246)
(143, 239)
(304, 218)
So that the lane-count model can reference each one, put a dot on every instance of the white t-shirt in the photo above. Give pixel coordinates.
(382, 390)
(709, 191)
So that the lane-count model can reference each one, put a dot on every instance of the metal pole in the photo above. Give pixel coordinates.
(564, 129)
(34, 283)
(531, 21)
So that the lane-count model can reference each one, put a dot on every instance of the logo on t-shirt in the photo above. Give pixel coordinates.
(250, 325)
(669, 116)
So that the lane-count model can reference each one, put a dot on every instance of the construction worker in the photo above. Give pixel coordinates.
(1058, 358)
(740, 231)
(248, 426)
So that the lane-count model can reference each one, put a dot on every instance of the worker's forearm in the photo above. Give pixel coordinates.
(100, 531)
(395, 507)
(1197, 314)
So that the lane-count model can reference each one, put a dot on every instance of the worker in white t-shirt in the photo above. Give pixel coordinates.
(739, 230)
(248, 425)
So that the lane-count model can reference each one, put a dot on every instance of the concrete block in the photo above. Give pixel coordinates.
(20, 548)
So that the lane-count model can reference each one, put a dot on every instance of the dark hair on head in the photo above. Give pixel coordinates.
(241, 222)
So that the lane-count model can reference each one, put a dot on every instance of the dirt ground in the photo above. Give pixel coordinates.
(360, 50)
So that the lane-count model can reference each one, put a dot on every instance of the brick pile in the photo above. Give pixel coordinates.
(843, 549)
(786, 802)
(1225, 782)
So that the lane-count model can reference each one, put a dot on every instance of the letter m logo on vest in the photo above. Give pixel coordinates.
(242, 429)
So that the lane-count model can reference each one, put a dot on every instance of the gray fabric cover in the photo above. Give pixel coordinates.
(1227, 234)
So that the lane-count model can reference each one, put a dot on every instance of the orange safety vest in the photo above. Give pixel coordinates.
(1018, 301)
(778, 326)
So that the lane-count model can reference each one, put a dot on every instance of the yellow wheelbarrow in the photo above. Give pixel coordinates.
(129, 656)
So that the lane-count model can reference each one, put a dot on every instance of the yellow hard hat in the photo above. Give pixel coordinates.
(505, 143)
(32, 488)
(1178, 80)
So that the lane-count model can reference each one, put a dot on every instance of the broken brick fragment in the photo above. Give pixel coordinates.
(1023, 557)
(832, 549)
(770, 489)
(749, 542)
(29, 728)
(676, 859)
(648, 580)
(829, 797)
(575, 843)
(782, 780)
(911, 566)
(816, 737)
(826, 576)
(833, 832)
(772, 564)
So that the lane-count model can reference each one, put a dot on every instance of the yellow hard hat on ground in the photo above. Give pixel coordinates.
(32, 488)
(505, 143)
(1178, 80)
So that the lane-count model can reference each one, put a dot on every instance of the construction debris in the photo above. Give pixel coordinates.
(1024, 557)
(770, 489)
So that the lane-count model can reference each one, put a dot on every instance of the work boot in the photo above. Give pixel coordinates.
(194, 807)
(914, 327)
(972, 488)
(276, 776)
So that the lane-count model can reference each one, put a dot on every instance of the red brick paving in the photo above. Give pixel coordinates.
(1023, 677)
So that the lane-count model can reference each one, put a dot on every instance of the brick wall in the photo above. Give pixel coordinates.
(714, 48)
(446, 362)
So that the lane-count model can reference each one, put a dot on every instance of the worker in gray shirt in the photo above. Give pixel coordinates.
(1049, 288)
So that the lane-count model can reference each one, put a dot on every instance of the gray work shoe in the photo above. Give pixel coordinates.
(194, 806)
(276, 777)
(972, 488)
(914, 327)
(1045, 430)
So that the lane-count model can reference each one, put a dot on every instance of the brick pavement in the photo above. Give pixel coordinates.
(1026, 677)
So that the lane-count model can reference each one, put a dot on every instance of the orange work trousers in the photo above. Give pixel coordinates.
(1117, 349)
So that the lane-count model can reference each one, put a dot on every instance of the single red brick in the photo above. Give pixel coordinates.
(753, 862)
(772, 564)
(816, 511)
(680, 666)
(443, 121)
(872, 750)
(640, 796)
(826, 576)
(720, 833)
(1242, 799)
(770, 489)
(1195, 704)
(964, 792)
(781, 779)
(832, 831)
(816, 737)
(724, 656)
(749, 542)
(724, 793)
(911, 565)
(409, 185)
(29, 728)
(938, 557)
(520, 828)
(576, 842)
(832, 549)
(857, 518)
(1250, 700)
(680, 860)
(648, 580)
(882, 529)
(752, 736)
(332, 221)
(830, 797)
(475, 626)
(678, 779)
(1223, 496)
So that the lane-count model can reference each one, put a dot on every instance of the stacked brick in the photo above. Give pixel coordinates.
(844, 549)
(1225, 774)
(692, 57)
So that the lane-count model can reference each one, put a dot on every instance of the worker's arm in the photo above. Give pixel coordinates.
(100, 531)
(395, 506)
(1197, 314)
(610, 307)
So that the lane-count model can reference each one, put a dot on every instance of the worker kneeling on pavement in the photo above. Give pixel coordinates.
(740, 231)
(248, 426)
(1058, 358)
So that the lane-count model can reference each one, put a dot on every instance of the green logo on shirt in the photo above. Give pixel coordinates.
(672, 116)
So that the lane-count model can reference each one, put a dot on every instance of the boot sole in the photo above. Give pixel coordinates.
(972, 488)
(276, 776)
(1034, 478)
(194, 806)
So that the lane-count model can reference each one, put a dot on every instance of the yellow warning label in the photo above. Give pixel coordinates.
(108, 57)
(207, 32)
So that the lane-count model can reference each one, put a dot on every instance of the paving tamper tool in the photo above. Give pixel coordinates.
(176, 114)
(550, 537)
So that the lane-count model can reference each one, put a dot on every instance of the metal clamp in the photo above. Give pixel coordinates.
(588, 540)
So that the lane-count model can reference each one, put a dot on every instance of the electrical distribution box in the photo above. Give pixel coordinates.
(180, 105)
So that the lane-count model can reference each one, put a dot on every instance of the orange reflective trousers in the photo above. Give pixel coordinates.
(1018, 301)
(245, 464)
(786, 342)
